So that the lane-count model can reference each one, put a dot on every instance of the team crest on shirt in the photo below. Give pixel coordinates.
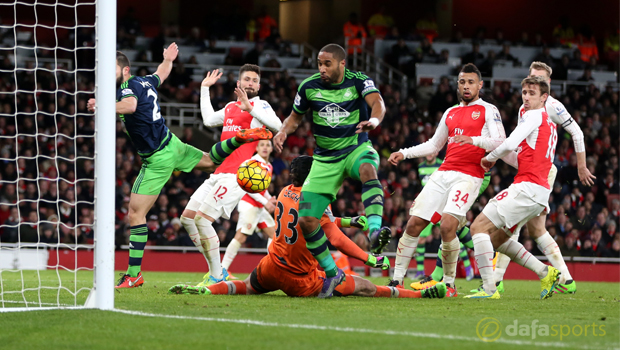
(475, 115)
(333, 114)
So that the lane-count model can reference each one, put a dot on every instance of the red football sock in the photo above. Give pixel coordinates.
(228, 287)
(406, 293)
(386, 292)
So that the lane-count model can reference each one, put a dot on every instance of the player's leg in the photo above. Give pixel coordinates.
(233, 248)
(248, 219)
(189, 214)
(481, 229)
(223, 149)
(549, 247)
(407, 245)
(319, 190)
(421, 250)
(358, 286)
(154, 174)
(362, 165)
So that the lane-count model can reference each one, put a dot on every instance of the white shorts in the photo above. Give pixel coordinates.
(217, 196)
(449, 192)
(251, 217)
(512, 208)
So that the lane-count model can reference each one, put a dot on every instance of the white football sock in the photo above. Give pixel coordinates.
(194, 235)
(483, 253)
(449, 257)
(231, 253)
(502, 262)
(521, 256)
(550, 248)
(500, 267)
(211, 245)
(406, 247)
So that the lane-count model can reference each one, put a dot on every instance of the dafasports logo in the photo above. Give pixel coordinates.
(489, 329)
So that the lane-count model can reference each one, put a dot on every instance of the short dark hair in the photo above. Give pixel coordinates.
(300, 168)
(122, 60)
(471, 68)
(336, 50)
(249, 68)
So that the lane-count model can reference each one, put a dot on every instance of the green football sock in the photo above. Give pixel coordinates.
(465, 238)
(137, 241)
(464, 256)
(420, 256)
(223, 149)
(437, 274)
(316, 242)
(372, 197)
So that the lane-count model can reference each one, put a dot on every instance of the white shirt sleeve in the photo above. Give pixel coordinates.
(259, 198)
(493, 133)
(512, 159)
(432, 146)
(266, 115)
(558, 113)
(210, 118)
(531, 121)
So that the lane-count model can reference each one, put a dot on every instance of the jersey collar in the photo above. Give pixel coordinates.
(477, 102)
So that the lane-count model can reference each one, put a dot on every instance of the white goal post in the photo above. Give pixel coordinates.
(45, 162)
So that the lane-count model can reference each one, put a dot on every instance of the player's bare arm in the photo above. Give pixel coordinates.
(585, 176)
(127, 105)
(164, 69)
(375, 102)
(291, 123)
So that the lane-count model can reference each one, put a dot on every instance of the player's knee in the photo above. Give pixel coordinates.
(448, 230)
(240, 237)
(367, 172)
(415, 225)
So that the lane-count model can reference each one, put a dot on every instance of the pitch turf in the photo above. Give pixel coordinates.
(274, 321)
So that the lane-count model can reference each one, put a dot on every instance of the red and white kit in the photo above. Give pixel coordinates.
(220, 193)
(252, 213)
(453, 188)
(534, 139)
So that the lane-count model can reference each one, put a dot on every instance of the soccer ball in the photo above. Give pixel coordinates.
(253, 176)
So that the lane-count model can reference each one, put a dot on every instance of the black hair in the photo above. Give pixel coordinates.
(336, 50)
(471, 68)
(300, 168)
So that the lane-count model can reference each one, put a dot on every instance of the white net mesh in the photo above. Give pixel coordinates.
(47, 73)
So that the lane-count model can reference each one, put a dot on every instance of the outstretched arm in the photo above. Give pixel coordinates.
(288, 127)
(164, 69)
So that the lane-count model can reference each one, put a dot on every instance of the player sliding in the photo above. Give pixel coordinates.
(536, 226)
(161, 151)
(218, 196)
(290, 267)
(453, 188)
(339, 100)
(255, 210)
(535, 137)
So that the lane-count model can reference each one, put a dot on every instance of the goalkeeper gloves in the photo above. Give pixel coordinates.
(378, 261)
(359, 221)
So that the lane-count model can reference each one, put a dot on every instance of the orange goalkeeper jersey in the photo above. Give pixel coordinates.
(288, 249)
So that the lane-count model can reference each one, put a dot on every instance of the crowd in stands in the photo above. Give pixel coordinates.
(52, 178)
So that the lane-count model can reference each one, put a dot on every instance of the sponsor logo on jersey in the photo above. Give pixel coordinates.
(229, 126)
(348, 94)
(333, 114)
(318, 95)
(450, 116)
(475, 115)
(145, 84)
(126, 92)
(519, 149)
(496, 117)
(297, 99)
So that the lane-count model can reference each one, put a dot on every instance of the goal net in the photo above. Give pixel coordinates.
(54, 213)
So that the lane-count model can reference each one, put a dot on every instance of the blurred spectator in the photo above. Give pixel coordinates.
(379, 24)
(253, 55)
(354, 33)
(474, 56)
(564, 31)
(545, 57)
(576, 62)
(499, 36)
(196, 40)
(524, 41)
(427, 27)
(507, 56)
(265, 24)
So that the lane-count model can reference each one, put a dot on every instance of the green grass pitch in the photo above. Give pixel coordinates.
(153, 319)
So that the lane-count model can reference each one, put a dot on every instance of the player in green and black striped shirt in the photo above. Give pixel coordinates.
(345, 106)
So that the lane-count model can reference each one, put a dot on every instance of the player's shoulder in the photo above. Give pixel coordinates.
(557, 106)
(311, 80)
(488, 105)
(263, 103)
(349, 74)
